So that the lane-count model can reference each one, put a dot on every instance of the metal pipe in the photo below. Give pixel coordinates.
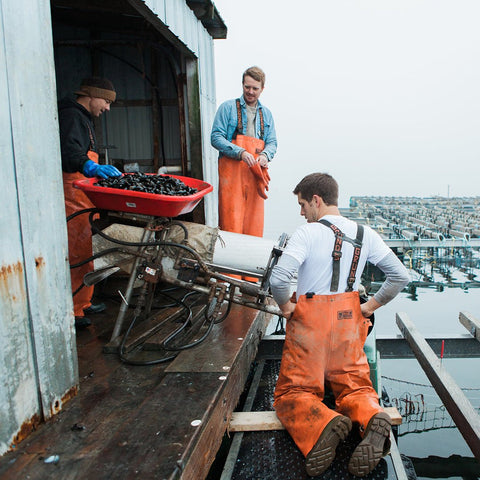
(147, 233)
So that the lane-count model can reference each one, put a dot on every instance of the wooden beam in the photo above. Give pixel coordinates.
(455, 401)
(261, 421)
(470, 323)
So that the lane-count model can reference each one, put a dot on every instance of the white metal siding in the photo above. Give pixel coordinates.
(182, 22)
(38, 360)
(38, 353)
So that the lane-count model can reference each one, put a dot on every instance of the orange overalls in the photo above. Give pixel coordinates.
(241, 190)
(79, 238)
(324, 344)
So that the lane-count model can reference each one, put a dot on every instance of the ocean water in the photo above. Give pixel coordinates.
(429, 431)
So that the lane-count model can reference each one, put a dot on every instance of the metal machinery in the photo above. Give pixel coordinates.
(148, 242)
(188, 255)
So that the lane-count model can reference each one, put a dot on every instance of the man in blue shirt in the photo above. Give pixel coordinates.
(244, 134)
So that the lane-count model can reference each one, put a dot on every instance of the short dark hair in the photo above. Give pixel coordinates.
(321, 184)
(256, 73)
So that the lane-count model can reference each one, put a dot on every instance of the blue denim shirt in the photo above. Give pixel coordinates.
(225, 123)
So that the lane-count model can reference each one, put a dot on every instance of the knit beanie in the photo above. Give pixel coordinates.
(97, 87)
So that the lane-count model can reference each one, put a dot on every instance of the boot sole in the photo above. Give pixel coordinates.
(372, 448)
(322, 454)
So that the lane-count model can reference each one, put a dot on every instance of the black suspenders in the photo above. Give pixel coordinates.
(337, 254)
(239, 129)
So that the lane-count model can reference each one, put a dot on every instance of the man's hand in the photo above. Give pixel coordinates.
(262, 160)
(248, 158)
(92, 169)
(287, 309)
(369, 307)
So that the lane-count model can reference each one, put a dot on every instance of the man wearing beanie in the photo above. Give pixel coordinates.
(79, 160)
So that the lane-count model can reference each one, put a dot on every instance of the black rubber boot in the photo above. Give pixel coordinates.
(82, 322)
(95, 308)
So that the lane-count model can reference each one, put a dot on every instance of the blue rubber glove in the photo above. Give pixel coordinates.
(92, 169)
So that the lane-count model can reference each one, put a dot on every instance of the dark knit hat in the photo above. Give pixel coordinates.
(97, 87)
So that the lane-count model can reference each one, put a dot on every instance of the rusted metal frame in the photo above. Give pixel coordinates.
(470, 323)
(457, 404)
(128, 293)
(156, 124)
(194, 118)
(455, 346)
(180, 78)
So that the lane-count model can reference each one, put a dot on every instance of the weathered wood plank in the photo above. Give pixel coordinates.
(470, 323)
(457, 404)
(268, 420)
(254, 421)
(222, 348)
(138, 420)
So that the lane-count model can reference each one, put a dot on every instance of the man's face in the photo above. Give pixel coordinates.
(309, 210)
(98, 105)
(251, 90)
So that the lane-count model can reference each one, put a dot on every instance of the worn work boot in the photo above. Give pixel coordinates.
(95, 308)
(374, 446)
(322, 454)
(82, 322)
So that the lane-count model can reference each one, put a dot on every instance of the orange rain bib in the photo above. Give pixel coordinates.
(79, 237)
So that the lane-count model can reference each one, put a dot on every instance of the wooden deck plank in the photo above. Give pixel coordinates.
(223, 346)
(470, 323)
(457, 404)
(138, 419)
(268, 420)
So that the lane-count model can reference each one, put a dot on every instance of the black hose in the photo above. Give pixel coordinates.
(80, 212)
(169, 339)
(98, 255)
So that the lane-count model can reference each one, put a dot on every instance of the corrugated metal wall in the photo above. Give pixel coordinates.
(144, 126)
(38, 363)
(38, 360)
(190, 31)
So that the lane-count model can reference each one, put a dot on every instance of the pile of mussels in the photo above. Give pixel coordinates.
(140, 182)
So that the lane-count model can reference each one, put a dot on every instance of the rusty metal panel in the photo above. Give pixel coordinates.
(18, 394)
(182, 22)
(36, 305)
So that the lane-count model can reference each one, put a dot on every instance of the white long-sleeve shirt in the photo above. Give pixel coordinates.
(309, 251)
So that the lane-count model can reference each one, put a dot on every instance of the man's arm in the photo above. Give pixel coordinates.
(74, 143)
(397, 279)
(280, 283)
(270, 136)
(222, 129)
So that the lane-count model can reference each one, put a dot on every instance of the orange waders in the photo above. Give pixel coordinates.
(241, 189)
(324, 343)
(79, 237)
(240, 203)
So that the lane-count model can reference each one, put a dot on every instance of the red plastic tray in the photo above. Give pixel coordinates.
(119, 200)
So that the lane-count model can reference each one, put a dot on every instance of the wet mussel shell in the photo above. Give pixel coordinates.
(140, 182)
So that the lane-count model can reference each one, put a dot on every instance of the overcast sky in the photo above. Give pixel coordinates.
(384, 95)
